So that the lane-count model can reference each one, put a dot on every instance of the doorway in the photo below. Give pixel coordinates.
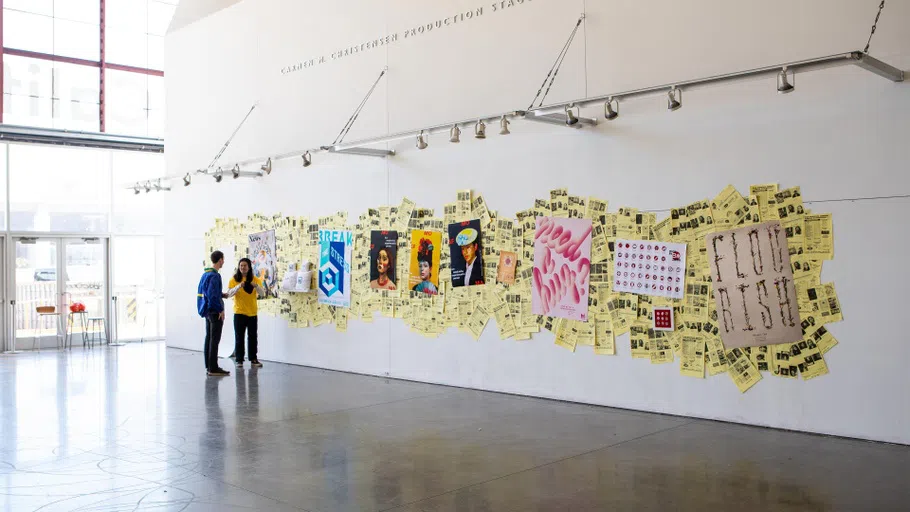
(52, 273)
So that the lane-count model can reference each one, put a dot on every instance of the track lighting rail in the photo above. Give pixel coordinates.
(567, 114)
(857, 58)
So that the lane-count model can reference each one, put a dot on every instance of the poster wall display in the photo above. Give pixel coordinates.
(335, 248)
(264, 255)
(753, 286)
(766, 277)
(650, 267)
(424, 268)
(505, 271)
(383, 255)
(466, 252)
(562, 267)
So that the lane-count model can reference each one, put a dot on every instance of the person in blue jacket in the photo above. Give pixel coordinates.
(210, 304)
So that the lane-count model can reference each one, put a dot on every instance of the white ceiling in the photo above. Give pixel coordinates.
(190, 11)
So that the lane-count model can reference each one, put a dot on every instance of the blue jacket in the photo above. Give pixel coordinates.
(208, 295)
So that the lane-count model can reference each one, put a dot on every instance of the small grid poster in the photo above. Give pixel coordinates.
(650, 267)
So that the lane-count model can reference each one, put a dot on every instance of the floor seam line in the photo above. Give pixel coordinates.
(605, 447)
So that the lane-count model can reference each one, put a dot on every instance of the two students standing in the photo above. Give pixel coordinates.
(245, 288)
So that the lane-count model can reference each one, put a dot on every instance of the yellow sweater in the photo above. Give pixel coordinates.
(245, 303)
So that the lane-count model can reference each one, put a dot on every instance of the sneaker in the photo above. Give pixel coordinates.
(256, 363)
(218, 372)
(239, 364)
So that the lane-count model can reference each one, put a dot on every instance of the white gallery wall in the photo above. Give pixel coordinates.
(842, 134)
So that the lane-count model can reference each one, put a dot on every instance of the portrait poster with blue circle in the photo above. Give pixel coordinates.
(335, 248)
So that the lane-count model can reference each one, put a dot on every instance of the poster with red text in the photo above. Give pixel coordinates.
(562, 268)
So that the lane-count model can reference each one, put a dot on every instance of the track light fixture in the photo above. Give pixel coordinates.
(571, 118)
(267, 166)
(236, 171)
(136, 189)
(783, 85)
(611, 112)
(504, 126)
(674, 99)
(480, 130)
(148, 187)
(455, 134)
(421, 141)
(219, 175)
(187, 179)
(307, 159)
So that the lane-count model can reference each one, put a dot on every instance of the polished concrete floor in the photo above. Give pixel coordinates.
(142, 428)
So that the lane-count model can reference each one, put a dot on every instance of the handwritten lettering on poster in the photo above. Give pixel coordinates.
(753, 286)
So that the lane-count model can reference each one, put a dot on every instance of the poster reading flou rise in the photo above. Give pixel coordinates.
(335, 248)
(753, 286)
(562, 268)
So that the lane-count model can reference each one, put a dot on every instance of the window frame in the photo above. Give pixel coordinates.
(100, 64)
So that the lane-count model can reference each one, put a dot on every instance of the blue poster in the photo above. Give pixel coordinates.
(335, 248)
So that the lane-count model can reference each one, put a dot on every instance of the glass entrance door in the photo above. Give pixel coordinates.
(37, 292)
(85, 263)
(50, 275)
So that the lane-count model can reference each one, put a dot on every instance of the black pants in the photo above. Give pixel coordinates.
(243, 323)
(213, 326)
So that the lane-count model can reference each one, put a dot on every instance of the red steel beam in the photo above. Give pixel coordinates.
(134, 69)
(48, 56)
(101, 73)
(81, 62)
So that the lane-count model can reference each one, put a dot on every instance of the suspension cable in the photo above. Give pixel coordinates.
(874, 25)
(554, 69)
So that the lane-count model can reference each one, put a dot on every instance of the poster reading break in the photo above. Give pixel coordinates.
(753, 286)
(335, 249)
(265, 260)
(562, 268)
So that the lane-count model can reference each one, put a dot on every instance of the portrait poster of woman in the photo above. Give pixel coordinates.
(424, 267)
(383, 255)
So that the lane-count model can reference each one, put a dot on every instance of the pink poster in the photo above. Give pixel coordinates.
(562, 268)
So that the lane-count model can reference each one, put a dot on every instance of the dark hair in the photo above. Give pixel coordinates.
(391, 257)
(217, 256)
(246, 280)
(425, 251)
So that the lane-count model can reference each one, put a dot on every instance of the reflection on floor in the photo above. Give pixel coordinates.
(142, 428)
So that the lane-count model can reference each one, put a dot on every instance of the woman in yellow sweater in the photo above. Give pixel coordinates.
(246, 289)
